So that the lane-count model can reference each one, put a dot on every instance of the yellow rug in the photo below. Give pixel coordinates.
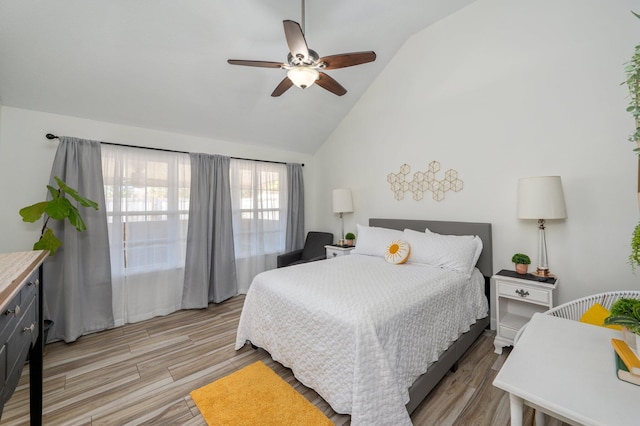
(255, 395)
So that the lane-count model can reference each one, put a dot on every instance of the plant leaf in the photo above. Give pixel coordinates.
(49, 242)
(84, 201)
(76, 220)
(74, 194)
(55, 193)
(626, 320)
(33, 212)
(58, 208)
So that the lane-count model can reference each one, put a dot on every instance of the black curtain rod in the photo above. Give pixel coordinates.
(52, 136)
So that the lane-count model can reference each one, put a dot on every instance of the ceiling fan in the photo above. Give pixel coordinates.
(304, 66)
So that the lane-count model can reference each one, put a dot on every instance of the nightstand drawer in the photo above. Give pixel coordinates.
(331, 253)
(507, 332)
(336, 251)
(524, 292)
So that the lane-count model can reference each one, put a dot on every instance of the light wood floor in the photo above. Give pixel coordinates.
(142, 374)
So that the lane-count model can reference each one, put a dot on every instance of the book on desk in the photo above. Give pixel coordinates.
(627, 363)
(623, 372)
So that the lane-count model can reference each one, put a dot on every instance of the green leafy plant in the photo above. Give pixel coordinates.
(632, 70)
(634, 256)
(58, 208)
(350, 236)
(623, 306)
(521, 259)
(625, 312)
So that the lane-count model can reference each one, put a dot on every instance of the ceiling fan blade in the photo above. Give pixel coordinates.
(330, 84)
(282, 87)
(262, 64)
(295, 40)
(347, 59)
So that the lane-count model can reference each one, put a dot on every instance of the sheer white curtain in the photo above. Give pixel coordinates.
(259, 204)
(147, 200)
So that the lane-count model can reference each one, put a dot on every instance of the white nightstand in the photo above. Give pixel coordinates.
(335, 251)
(517, 298)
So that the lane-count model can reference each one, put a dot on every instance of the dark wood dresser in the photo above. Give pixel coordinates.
(21, 326)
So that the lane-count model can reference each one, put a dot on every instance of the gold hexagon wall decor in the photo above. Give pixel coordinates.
(423, 182)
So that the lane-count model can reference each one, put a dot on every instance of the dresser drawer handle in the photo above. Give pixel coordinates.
(36, 282)
(30, 328)
(522, 293)
(15, 311)
(334, 254)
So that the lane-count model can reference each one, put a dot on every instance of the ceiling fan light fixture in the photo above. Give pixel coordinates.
(303, 76)
(304, 66)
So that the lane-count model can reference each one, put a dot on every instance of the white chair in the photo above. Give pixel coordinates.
(576, 308)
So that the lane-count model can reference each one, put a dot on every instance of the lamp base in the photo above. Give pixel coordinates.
(541, 272)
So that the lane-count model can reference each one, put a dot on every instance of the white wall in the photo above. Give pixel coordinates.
(26, 157)
(498, 91)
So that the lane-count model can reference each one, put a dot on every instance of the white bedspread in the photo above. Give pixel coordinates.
(359, 330)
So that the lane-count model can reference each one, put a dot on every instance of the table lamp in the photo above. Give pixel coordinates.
(342, 203)
(541, 198)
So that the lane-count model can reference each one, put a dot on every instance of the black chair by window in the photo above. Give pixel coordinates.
(313, 250)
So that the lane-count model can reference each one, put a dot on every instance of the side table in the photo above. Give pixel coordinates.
(517, 298)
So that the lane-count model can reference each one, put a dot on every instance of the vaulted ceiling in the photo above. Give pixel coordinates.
(161, 64)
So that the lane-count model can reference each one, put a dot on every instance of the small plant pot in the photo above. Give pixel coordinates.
(629, 337)
(521, 268)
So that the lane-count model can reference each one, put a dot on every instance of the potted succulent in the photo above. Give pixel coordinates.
(522, 262)
(625, 312)
(350, 237)
(59, 208)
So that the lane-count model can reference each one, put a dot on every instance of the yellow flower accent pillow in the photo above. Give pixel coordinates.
(397, 252)
(596, 315)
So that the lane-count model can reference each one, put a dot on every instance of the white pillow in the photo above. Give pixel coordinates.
(373, 241)
(457, 252)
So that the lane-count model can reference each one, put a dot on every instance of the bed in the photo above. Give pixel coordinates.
(371, 337)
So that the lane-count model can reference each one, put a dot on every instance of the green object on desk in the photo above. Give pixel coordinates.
(623, 372)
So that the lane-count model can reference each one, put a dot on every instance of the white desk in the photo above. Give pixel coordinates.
(567, 369)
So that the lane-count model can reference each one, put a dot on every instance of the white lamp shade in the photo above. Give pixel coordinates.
(342, 202)
(303, 76)
(541, 197)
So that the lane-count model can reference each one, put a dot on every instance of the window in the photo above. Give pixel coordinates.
(257, 196)
(147, 194)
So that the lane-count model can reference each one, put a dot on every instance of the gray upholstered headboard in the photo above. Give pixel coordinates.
(482, 230)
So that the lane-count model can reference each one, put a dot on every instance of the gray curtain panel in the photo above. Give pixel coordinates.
(210, 267)
(77, 279)
(295, 208)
